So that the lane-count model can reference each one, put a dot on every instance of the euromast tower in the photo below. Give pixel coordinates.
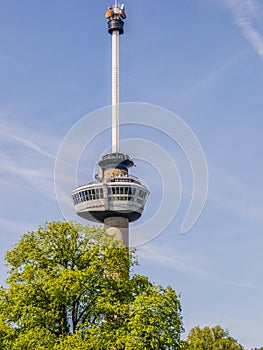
(115, 198)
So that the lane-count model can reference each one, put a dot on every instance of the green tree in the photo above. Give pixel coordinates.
(183, 345)
(214, 338)
(68, 288)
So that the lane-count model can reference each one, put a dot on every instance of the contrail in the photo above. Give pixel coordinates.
(247, 13)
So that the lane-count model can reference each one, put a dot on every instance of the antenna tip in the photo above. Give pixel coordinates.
(116, 12)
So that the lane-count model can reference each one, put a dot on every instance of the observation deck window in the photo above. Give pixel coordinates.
(142, 194)
(88, 195)
(121, 193)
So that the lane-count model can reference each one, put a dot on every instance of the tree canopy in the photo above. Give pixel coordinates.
(215, 338)
(68, 288)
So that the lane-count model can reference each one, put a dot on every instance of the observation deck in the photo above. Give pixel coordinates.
(115, 194)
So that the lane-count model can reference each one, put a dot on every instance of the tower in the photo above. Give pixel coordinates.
(115, 198)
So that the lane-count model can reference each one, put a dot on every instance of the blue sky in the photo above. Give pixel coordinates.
(200, 59)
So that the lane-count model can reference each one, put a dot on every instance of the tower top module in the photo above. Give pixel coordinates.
(115, 15)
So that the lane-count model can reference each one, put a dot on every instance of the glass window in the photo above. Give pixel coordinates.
(99, 193)
(140, 201)
(83, 195)
(142, 194)
(88, 195)
(74, 197)
(121, 193)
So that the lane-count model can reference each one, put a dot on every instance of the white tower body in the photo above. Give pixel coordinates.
(116, 198)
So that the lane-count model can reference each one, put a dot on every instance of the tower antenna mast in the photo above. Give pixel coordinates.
(115, 14)
(115, 91)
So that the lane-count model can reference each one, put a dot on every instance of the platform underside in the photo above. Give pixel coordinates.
(100, 216)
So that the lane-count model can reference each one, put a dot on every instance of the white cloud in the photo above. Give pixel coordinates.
(177, 261)
(13, 133)
(28, 155)
(247, 13)
(241, 284)
(9, 166)
(188, 263)
(212, 77)
(242, 197)
(27, 143)
(37, 175)
(8, 226)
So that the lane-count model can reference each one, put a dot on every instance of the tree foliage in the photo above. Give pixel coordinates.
(215, 338)
(68, 288)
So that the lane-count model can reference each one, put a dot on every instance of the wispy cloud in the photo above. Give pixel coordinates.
(241, 284)
(41, 178)
(175, 261)
(27, 143)
(189, 264)
(28, 155)
(15, 136)
(248, 13)
(212, 77)
(8, 227)
(241, 197)
(9, 166)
